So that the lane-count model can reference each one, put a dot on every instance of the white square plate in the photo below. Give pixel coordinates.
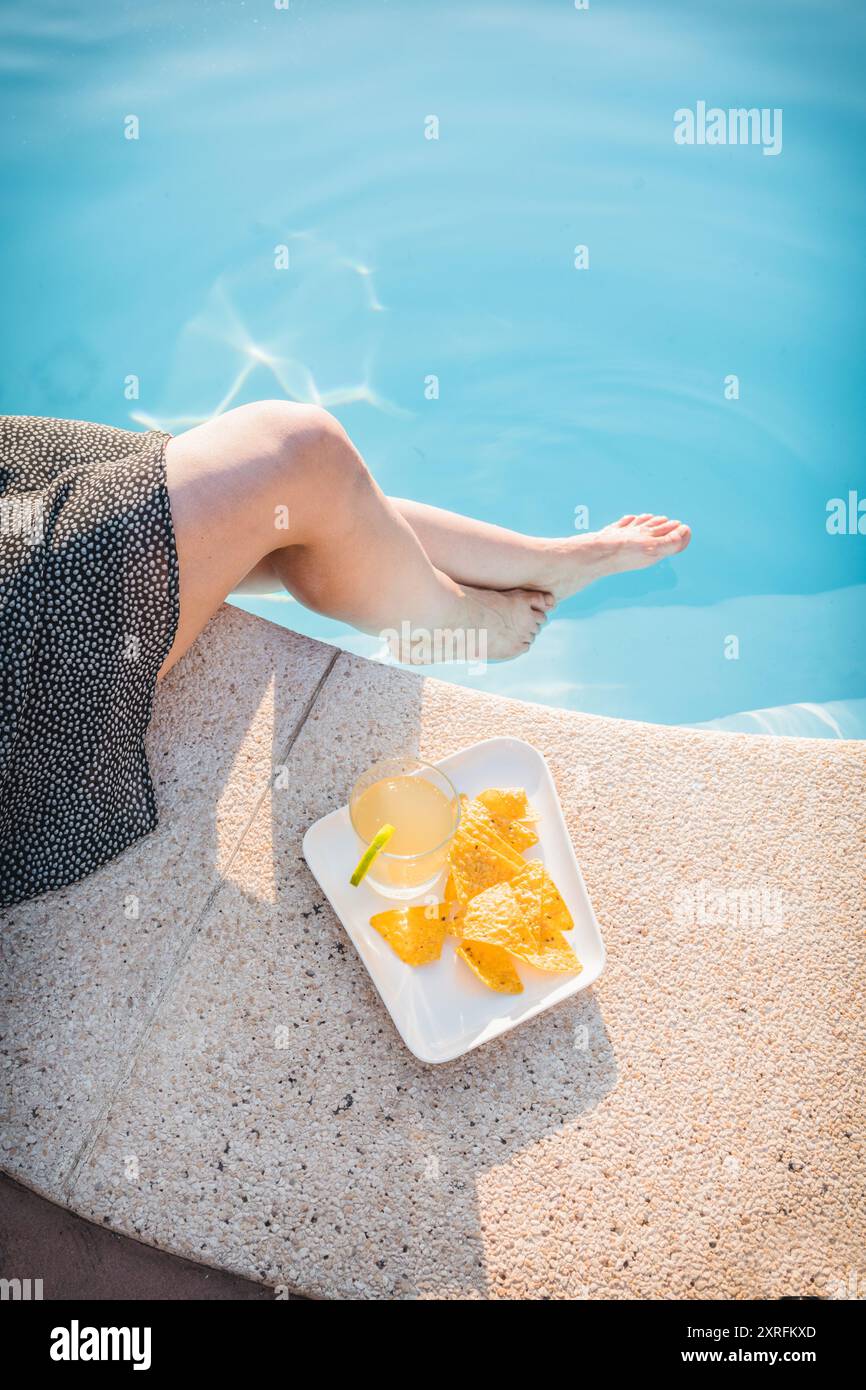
(442, 1010)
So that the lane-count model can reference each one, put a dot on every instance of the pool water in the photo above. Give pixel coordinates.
(140, 285)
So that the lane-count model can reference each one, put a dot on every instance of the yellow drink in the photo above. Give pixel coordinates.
(423, 809)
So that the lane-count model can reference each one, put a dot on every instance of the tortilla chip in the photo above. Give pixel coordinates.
(540, 898)
(496, 918)
(415, 934)
(493, 966)
(477, 822)
(515, 833)
(509, 803)
(476, 865)
(451, 921)
(525, 916)
(511, 816)
(553, 954)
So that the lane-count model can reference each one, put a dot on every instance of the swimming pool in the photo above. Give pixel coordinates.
(141, 283)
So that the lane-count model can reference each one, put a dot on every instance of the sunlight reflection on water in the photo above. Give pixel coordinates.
(410, 257)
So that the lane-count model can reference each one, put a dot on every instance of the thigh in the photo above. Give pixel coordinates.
(218, 477)
(262, 579)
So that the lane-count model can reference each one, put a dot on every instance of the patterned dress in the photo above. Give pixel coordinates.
(88, 613)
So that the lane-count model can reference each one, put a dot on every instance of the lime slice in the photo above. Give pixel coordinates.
(379, 840)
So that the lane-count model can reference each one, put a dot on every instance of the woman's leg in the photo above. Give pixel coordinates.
(492, 557)
(283, 481)
(476, 552)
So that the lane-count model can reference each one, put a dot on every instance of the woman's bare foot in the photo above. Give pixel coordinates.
(480, 625)
(511, 618)
(632, 543)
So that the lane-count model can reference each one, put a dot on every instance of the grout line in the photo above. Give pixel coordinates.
(308, 707)
(88, 1143)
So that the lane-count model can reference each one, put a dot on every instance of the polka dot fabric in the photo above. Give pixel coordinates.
(88, 613)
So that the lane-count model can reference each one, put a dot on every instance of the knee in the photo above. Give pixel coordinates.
(304, 438)
(303, 463)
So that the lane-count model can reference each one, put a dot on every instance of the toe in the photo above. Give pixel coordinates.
(625, 520)
(677, 537)
(540, 601)
(662, 527)
(640, 520)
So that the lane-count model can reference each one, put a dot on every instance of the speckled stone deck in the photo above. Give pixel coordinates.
(217, 1076)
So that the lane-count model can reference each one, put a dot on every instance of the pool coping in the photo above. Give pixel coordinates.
(159, 1078)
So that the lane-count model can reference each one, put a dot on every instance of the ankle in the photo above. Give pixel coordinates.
(555, 553)
(445, 605)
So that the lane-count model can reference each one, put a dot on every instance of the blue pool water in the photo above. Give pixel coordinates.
(411, 257)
